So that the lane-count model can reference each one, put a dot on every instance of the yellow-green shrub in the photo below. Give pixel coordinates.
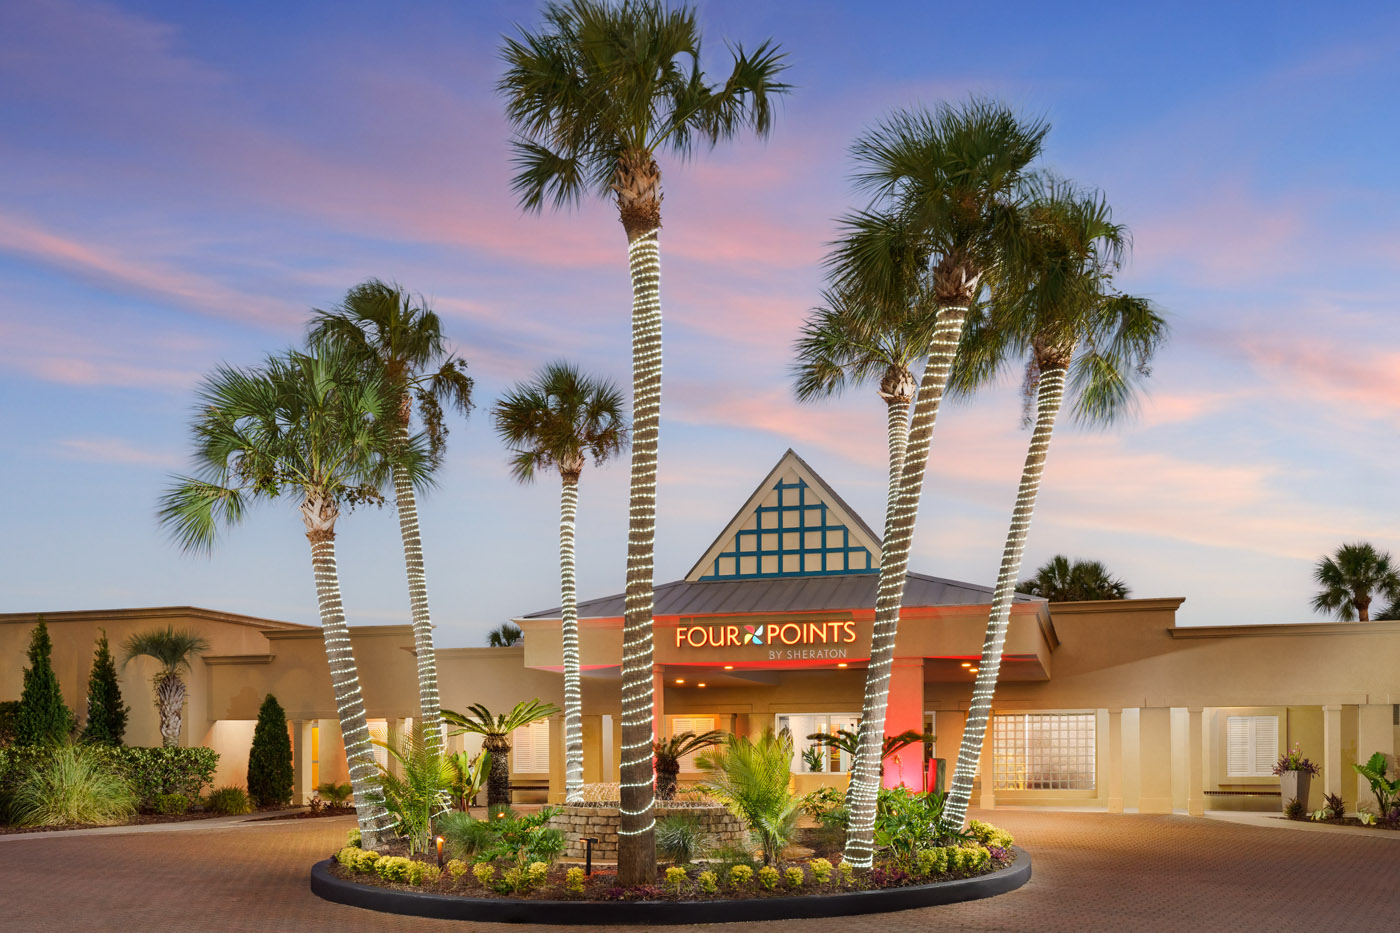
(990, 835)
(821, 870)
(740, 875)
(573, 880)
(348, 857)
(366, 860)
(417, 871)
(537, 872)
(847, 870)
(933, 861)
(484, 872)
(431, 874)
(768, 877)
(675, 877)
(393, 868)
(352, 838)
(708, 882)
(456, 868)
(794, 877)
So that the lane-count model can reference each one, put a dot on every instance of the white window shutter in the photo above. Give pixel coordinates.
(1251, 746)
(696, 724)
(530, 748)
(1265, 744)
(1238, 757)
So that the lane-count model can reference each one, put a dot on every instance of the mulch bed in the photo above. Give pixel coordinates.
(1349, 821)
(141, 819)
(310, 814)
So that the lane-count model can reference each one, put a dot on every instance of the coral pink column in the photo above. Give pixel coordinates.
(905, 711)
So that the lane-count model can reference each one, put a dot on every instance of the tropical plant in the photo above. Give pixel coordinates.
(907, 822)
(106, 713)
(1061, 580)
(504, 636)
(679, 838)
(1351, 577)
(1386, 791)
(558, 421)
(849, 742)
(270, 774)
(1059, 310)
(503, 836)
(468, 776)
(173, 650)
(669, 752)
(594, 96)
(400, 338)
(42, 718)
(495, 733)
(230, 801)
(1336, 808)
(319, 430)
(813, 758)
(417, 788)
(336, 795)
(948, 183)
(72, 785)
(751, 777)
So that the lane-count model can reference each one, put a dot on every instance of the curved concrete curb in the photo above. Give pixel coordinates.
(658, 913)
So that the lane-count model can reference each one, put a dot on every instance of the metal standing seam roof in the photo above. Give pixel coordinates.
(787, 594)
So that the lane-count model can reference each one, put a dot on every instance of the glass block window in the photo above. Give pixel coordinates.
(1043, 751)
(792, 533)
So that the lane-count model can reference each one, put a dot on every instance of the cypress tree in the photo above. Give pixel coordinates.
(106, 713)
(270, 758)
(43, 717)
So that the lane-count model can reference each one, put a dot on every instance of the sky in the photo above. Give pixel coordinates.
(181, 183)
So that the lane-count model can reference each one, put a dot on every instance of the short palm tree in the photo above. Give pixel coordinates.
(669, 752)
(594, 96)
(560, 420)
(495, 732)
(387, 330)
(1350, 579)
(504, 635)
(1060, 312)
(415, 790)
(847, 741)
(954, 179)
(751, 777)
(1061, 580)
(317, 430)
(173, 650)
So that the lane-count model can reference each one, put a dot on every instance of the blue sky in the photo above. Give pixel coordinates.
(180, 183)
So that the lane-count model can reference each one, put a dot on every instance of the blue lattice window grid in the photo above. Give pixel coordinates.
(795, 538)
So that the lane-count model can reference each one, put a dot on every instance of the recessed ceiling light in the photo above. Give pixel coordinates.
(842, 664)
(680, 680)
(699, 685)
(729, 667)
(967, 664)
(973, 671)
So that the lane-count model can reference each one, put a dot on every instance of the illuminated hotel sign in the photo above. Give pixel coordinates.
(787, 641)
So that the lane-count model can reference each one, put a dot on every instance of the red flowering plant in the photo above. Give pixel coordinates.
(1294, 761)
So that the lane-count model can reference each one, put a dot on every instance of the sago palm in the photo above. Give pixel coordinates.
(388, 331)
(560, 420)
(669, 752)
(594, 96)
(414, 791)
(1061, 580)
(1350, 579)
(495, 733)
(1058, 311)
(847, 741)
(954, 178)
(751, 777)
(318, 431)
(173, 650)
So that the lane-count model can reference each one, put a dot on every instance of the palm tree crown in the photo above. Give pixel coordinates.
(479, 720)
(1351, 577)
(504, 635)
(172, 649)
(559, 420)
(1062, 581)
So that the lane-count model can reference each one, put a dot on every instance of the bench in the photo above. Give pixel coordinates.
(1244, 793)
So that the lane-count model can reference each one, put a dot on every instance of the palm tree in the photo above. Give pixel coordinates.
(849, 742)
(560, 420)
(386, 330)
(173, 650)
(495, 732)
(594, 96)
(953, 177)
(1061, 312)
(504, 636)
(316, 429)
(669, 752)
(1350, 577)
(1061, 581)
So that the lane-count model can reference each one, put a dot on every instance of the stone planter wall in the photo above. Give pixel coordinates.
(601, 823)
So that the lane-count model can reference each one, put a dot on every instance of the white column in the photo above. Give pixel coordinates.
(1195, 765)
(1115, 761)
(302, 754)
(1155, 759)
(1333, 764)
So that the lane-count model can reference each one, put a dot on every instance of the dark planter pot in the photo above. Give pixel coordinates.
(1294, 785)
(666, 913)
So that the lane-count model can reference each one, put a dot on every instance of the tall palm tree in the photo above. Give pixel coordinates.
(560, 420)
(1059, 311)
(594, 96)
(1062, 581)
(495, 732)
(315, 429)
(504, 635)
(1350, 578)
(388, 331)
(173, 650)
(953, 176)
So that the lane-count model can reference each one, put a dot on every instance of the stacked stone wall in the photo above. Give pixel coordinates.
(721, 828)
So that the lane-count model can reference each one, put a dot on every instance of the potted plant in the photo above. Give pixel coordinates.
(1295, 774)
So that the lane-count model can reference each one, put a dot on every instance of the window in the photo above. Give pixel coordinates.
(529, 748)
(697, 724)
(378, 734)
(315, 756)
(802, 725)
(1251, 746)
(1043, 751)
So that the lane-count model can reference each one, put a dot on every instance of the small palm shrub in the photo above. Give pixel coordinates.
(337, 795)
(72, 785)
(679, 838)
(419, 789)
(230, 801)
(751, 776)
(667, 755)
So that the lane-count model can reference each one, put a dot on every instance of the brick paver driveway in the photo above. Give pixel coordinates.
(1092, 872)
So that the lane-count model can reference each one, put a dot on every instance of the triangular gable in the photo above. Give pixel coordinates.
(794, 525)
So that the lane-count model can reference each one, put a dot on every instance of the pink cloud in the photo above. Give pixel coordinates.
(1225, 235)
(94, 357)
(114, 450)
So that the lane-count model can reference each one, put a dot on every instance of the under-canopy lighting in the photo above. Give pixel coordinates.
(967, 664)
(699, 685)
(729, 667)
(680, 680)
(842, 664)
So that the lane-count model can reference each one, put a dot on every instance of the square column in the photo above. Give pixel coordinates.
(1374, 733)
(556, 759)
(1155, 759)
(1115, 761)
(658, 707)
(986, 765)
(1335, 771)
(302, 756)
(905, 711)
(1195, 765)
(593, 766)
(393, 736)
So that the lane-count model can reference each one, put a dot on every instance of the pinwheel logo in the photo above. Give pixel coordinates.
(753, 634)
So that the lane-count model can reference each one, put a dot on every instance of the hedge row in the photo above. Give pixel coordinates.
(152, 771)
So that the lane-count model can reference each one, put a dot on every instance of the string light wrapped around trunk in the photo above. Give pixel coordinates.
(573, 695)
(430, 703)
(1049, 396)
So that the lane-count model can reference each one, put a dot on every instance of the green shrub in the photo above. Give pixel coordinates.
(989, 835)
(679, 838)
(106, 713)
(907, 822)
(456, 868)
(230, 801)
(483, 872)
(822, 800)
(423, 780)
(9, 709)
(740, 875)
(847, 870)
(794, 877)
(821, 870)
(768, 877)
(1295, 809)
(366, 860)
(507, 837)
(270, 757)
(171, 804)
(573, 880)
(352, 837)
(71, 784)
(707, 882)
(337, 795)
(392, 868)
(155, 771)
(1386, 791)
(751, 776)
(430, 874)
(42, 718)
(348, 857)
(676, 878)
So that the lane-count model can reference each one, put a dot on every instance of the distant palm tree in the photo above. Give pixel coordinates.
(594, 96)
(1062, 581)
(385, 329)
(560, 420)
(315, 429)
(669, 752)
(1351, 577)
(173, 650)
(504, 635)
(495, 732)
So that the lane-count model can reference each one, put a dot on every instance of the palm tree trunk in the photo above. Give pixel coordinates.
(894, 562)
(573, 695)
(345, 681)
(498, 778)
(897, 410)
(429, 703)
(170, 704)
(1049, 395)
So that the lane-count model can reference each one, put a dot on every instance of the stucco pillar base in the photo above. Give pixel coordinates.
(1115, 761)
(1195, 765)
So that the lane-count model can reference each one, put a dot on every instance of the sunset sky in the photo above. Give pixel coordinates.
(180, 183)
